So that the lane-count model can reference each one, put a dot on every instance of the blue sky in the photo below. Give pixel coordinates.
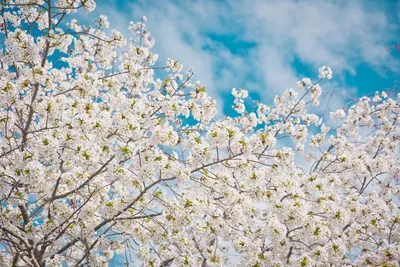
(266, 46)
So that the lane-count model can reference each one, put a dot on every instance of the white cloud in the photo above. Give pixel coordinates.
(319, 33)
(341, 34)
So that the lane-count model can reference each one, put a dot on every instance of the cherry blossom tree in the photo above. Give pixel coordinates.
(99, 156)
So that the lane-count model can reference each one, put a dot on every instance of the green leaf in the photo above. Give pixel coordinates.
(188, 204)
(86, 155)
(125, 150)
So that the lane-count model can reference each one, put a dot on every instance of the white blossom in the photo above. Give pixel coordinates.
(325, 73)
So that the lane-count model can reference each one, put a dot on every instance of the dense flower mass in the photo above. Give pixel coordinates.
(101, 158)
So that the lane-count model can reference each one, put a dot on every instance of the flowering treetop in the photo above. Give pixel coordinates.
(100, 157)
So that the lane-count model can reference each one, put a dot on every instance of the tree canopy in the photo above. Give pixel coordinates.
(105, 152)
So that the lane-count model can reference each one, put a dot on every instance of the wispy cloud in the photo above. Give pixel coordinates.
(254, 44)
